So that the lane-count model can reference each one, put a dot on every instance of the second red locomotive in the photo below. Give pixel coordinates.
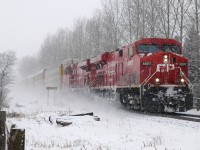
(150, 74)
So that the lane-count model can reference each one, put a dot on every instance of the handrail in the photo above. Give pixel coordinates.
(151, 76)
(145, 82)
(183, 74)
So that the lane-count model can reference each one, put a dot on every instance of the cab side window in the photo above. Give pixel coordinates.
(121, 53)
(97, 66)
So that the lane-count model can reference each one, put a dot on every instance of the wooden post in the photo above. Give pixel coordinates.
(17, 139)
(198, 104)
(2, 130)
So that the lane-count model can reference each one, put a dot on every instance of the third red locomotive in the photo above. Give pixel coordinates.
(151, 74)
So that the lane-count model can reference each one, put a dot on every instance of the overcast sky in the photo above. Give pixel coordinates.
(25, 23)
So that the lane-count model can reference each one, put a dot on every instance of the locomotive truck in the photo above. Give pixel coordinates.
(150, 74)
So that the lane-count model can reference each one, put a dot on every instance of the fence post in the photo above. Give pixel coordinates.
(2, 130)
(17, 139)
(198, 104)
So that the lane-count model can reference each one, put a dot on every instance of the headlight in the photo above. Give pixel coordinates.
(182, 80)
(157, 80)
(165, 59)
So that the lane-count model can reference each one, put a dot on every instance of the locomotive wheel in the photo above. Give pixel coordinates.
(189, 101)
(182, 109)
(182, 106)
(128, 106)
(123, 99)
(161, 108)
(148, 104)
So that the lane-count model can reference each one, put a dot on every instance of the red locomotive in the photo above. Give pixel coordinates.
(150, 74)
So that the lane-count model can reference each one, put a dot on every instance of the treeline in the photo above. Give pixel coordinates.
(118, 23)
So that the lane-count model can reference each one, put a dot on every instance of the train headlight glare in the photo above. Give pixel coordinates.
(165, 59)
(157, 80)
(182, 80)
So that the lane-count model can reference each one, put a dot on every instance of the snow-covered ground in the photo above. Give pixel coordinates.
(118, 128)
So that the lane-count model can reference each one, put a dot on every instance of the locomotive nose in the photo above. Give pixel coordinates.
(169, 70)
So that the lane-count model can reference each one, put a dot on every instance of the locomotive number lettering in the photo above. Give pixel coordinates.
(130, 62)
(182, 64)
(146, 63)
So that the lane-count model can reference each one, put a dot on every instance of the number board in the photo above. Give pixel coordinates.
(51, 88)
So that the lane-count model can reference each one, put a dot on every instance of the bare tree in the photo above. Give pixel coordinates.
(7, 61)
(196, 12)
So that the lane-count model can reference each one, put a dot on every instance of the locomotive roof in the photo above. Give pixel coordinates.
(98, 58)
(84, 63)
(157, 41)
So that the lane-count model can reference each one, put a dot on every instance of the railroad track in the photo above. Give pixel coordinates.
(174, 115)
(179, 116)
(182, 116)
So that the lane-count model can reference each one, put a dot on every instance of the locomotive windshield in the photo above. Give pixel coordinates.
(171, 48)
(148, 48)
